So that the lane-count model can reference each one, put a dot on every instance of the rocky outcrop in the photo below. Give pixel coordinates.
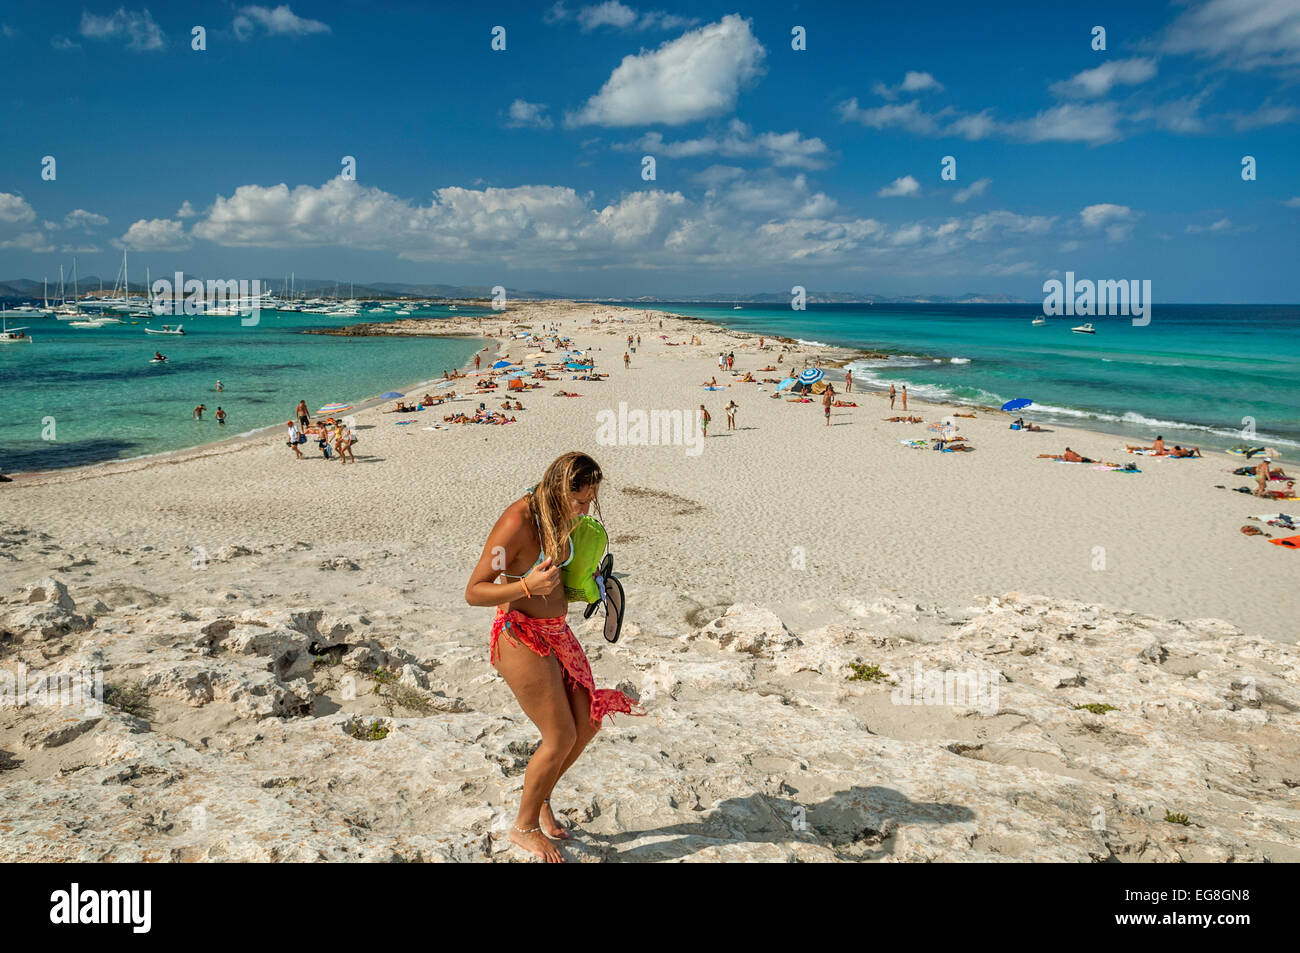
(1038, 730)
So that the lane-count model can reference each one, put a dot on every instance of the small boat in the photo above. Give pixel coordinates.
(167, 329)
(10, 335)
(452, 308)
(1084, 329)
(736, 307)
(91, 323)
(1038, 321)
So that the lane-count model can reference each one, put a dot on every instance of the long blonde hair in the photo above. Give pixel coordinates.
(551, 501)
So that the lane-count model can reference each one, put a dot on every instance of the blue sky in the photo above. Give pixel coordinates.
(773, 166)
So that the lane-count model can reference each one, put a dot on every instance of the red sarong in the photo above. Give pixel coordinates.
(545, 636)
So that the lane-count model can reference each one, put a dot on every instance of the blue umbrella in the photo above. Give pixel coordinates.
(1017, 403)
(390, 395)
(811, 375)
(788, 382)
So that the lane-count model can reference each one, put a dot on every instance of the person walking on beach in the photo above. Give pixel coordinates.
(722, 361)
(905, 397)
(848, 381)
(198, 411)
(828, 395)
(221, 417)
(704, 421)
(532, 646)
(627, 361)
(304, 418)
(294, 433)
(1261, 476)
(731, 415)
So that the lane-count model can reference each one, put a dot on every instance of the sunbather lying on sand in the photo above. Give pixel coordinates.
(972, 416)
(845, 403)
(904, 420)
(770, 367)
(1069, 456)
(564, 393)
(1184, 452)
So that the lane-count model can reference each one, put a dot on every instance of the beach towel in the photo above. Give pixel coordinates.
(1290, 542)
(914, 444)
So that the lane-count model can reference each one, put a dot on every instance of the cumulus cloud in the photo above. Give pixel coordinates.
(15, 209)
(1116, 220)
(277, 21)
(974, 190)
(80, 218)
(741, 220)
(905, 185)
(523, 114)
(696, 76)
(914, 81)
(619, 16)
(137, 26)
(781, 149)
(1099, 80)
(1243, 34)
(155, 234)
(1092, 123)
(909, 116)
(186, 210)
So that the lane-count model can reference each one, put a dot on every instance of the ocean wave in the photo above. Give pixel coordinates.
(959, 360)
(813, 343)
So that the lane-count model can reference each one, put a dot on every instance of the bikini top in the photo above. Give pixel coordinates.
(541, 552)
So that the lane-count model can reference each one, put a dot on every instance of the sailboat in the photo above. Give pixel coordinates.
(10, 335)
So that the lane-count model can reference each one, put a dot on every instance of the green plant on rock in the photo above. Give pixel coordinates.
(866, 673)
(1097, 708)
(1173, 818)
(132, 699)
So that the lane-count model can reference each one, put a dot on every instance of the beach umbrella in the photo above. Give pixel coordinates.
(390, 395)
(811, 375)
(788, 382)
(334, 408)
(1017, 403)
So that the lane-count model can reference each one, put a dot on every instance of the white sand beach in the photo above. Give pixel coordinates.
(202, 575)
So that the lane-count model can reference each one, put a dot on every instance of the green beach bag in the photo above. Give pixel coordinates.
(589, 541)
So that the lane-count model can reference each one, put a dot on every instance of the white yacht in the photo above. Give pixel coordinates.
(1084, 329)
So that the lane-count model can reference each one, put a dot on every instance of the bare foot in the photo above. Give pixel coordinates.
(551, 825)
(536, 843)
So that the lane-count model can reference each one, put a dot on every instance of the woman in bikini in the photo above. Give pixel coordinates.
(540, 658)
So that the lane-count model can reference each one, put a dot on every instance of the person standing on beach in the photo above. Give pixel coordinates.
(304, 418)
(892, 395)
(539, 657)
(293, 438)
(704, 421)
(905, 397)
(828, 395)
(731, 415)
(477, 358)
(627, 361)
(1261, 476)
(848, 381)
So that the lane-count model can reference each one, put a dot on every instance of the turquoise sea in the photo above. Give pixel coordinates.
(106, 401)
(1193, 375)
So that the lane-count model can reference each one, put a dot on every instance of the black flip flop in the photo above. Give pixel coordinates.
(614, 603)
(604, 571)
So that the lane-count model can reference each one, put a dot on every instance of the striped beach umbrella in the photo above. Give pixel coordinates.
(334, 408)
(811, 375)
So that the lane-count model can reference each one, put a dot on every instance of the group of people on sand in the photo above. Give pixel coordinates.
(1157, 449)
(330, 434)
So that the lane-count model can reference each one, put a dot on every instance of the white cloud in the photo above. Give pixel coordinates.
(1095, 216)
(974, 190)
(914, 81)
(1293, 202)
(696, 76)
(740, 221)
(1018, 268)
(80, 218)
(782, 149)
(905, 185)
(1071, 246)
(621, 17)
(278, 21)
(137, 26)
(14, 208)
(523, 114)
(155, 234)
(186, 210)
(1099, 80)
(1266, 115)
(1093, 123)
(1222, 225)
(28, 241)
(63, 44)
(80, 249)
(1243, 34)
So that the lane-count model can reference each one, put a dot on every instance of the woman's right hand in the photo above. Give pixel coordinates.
(543, 579)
